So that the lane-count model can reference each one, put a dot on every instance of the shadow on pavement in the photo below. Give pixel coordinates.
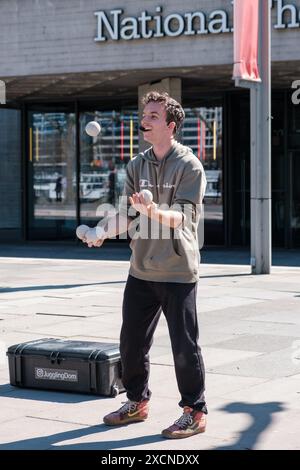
(53, 442)
(120, 251)
(71, 250)
(219, 275)
(6, 290)
(262, 416)
(10, 391)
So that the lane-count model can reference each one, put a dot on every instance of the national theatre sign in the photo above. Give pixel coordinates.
(114, 25)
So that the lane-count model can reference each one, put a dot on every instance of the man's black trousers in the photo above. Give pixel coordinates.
(142, 305)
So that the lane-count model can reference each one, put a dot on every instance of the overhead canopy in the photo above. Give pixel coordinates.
(123, 85)
(119, 84)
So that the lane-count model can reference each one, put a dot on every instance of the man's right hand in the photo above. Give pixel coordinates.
(95, 244)
(94, 237)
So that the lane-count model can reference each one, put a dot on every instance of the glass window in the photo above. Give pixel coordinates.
(293, 124)
(279, 170)
(239, 169)
(103, 160)
(52, 172)
(10, 171)
(203, 133)
(295, 199)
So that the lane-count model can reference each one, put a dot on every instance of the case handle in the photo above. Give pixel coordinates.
(54, 357)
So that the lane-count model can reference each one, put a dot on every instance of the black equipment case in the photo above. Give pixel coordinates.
(69, 366)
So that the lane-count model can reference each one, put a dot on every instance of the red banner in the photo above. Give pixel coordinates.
(246, 18)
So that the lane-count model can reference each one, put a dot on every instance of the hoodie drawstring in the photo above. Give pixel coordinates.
(161, 175)
(150, 158)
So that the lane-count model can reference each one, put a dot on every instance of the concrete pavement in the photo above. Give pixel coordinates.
(249, 333)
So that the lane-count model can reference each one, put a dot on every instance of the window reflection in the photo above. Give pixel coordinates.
(103, 160)
(203, 133)
(52, 165)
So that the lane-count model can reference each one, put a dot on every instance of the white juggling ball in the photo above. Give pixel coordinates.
(94, 234)
(93, 128)
(81, 231)
(147, 195)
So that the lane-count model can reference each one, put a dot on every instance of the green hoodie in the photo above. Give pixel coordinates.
(177, 182)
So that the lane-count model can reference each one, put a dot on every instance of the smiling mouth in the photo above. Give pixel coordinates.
(144, 129)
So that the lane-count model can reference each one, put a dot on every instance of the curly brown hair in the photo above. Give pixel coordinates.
(174, 110)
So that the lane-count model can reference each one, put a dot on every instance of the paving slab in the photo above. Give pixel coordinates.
(249, 334)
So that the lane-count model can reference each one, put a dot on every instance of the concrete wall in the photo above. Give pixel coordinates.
(10, 174)
(57, 36)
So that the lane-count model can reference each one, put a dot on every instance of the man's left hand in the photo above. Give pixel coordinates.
(138, 203)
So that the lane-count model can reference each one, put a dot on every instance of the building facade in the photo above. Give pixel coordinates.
(64, 63)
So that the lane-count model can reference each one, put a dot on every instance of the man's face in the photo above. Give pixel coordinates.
(154, 120)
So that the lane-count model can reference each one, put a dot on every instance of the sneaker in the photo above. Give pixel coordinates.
(131, 412)
(190, 423)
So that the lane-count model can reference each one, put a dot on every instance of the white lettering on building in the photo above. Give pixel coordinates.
(284, 10)
(112, 24)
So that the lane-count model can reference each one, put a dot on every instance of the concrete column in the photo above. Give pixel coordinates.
(169, 85)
